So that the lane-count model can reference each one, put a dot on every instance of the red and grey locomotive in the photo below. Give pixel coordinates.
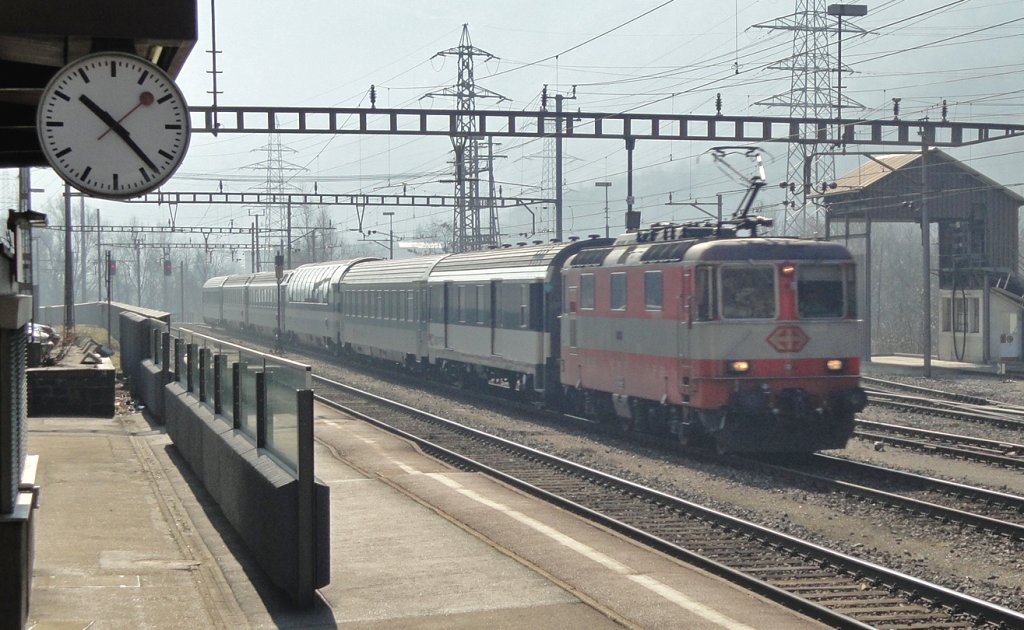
(751, 342)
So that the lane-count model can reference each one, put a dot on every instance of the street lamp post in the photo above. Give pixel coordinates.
(841, 11)
(606, 186)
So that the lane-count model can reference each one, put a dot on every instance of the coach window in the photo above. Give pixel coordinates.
(819, 291)
(524, 301)
(469, 306)
(459, 305)
(748, 292)
(587, 290)
(618, 292)
(652, 290)
(482, 306)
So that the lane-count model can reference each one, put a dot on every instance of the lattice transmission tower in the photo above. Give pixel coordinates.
(812, 94)
(470, 165)
(278, 173)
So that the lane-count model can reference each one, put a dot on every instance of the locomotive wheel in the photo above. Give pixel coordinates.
(685, 435)
(626, 425)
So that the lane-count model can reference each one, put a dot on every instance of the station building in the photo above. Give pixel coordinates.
(980, 285)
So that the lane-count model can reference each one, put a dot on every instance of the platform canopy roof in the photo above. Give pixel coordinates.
(39, 37)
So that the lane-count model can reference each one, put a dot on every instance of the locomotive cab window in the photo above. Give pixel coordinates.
(652, 290)
(748, 292)
(587, 290)
(618, 292)
(704, 293)
(819, 291)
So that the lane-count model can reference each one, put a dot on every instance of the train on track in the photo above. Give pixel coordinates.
(750, 342)
(690, 331)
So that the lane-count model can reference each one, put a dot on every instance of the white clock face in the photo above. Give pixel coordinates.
(113, 125)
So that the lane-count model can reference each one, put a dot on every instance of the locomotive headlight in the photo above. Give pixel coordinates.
(835, 365)
(738, 367)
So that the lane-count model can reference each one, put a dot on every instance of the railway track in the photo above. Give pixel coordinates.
(838, 589)
(950, 502)
(992, 452)
(883, 384)
(938, 403)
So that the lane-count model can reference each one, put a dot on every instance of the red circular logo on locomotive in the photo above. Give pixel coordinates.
(788, 338)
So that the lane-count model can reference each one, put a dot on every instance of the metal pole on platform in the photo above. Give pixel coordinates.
(926, 257)
(109, 279)
(99, 258)
(69, 269)
(182, 280)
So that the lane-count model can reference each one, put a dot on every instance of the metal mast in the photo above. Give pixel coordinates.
(548, 180)
(811, 95)
(469, 234)
(278, 173)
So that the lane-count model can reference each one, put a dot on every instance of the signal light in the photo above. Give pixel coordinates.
(167, 267)
(112, 270)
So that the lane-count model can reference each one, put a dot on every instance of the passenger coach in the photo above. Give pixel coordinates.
(494, 314)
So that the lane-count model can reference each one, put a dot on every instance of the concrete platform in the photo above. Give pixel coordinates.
(126, 539)
(913, 365)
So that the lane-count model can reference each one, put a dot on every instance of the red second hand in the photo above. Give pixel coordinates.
(146, 98)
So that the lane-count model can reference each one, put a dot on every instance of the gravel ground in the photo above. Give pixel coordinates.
(983, 565)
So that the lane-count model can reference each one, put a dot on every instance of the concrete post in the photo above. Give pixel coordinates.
(261, 410)
(219, 372)
(236, 395)
(204, 361)
(306, 499)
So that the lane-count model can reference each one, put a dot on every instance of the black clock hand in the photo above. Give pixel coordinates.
(118, 129)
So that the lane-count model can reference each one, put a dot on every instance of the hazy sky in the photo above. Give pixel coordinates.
(674, 59)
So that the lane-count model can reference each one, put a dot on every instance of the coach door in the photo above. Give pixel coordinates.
(447, 310)
(495, 316)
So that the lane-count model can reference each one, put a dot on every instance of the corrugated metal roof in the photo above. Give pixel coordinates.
(871, 172)
(215, 282)
(532, 262)
(387, 271)
(879, 167)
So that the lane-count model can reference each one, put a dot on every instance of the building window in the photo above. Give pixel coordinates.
(961, 315)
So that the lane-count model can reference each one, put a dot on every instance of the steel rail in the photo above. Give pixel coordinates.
(920, 483)
(992, 451)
